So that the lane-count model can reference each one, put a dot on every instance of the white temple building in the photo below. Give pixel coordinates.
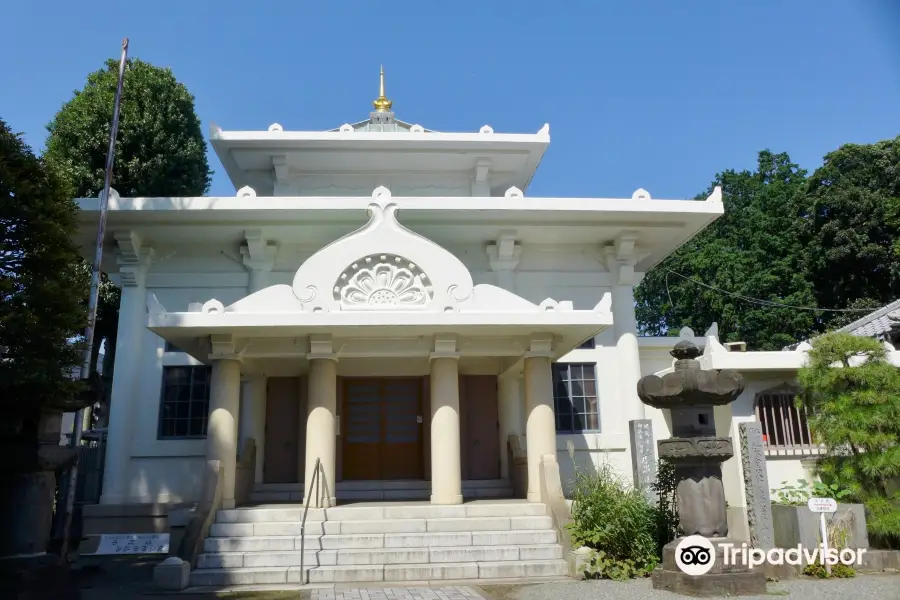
(387, 302)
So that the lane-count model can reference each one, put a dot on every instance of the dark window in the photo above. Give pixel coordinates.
(184, 407)
(171, 348)
(575, 397)
(783, 424)
(588, 344)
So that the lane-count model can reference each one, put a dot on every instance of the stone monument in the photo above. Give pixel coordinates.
(690, 394)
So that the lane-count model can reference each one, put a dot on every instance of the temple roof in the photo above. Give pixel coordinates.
(394, 125)
(382, 118)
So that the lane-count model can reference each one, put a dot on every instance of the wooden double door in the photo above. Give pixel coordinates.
(382, 426)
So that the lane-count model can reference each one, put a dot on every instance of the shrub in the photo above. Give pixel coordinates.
(852, 396)
(667, 503)
(617, 521)
(799, 495)
(838, 571)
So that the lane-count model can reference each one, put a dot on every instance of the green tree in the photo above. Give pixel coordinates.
(41, 316)
(160, 151)
(852, 396)
(753, 251)
(851, 229)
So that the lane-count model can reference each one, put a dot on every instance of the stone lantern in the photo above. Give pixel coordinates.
(691, 394)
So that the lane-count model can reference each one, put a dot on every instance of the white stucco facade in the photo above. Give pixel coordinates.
(384, 250)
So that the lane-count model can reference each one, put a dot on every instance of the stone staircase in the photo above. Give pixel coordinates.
(381, 490)
(383, 541)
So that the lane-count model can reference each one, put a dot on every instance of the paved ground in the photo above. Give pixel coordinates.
(395, 593)
(863, 587)
(129, 578)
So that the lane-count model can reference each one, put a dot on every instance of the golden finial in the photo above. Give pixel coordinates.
(382, 104)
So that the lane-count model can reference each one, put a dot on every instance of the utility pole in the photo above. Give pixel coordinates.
(94, 299)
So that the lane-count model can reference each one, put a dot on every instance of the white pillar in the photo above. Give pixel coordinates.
(321, 442)
(540, 435)
(627, 351)
(221, 431)
(253, 419)
(509, 399)
(132, 324)
(446, 465)
(259, 280)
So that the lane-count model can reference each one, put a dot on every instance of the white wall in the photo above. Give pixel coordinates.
(169, 470)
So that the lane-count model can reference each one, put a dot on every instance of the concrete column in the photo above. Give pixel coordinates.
(321, 442)
(132, 323)
(510, 415)
(253, 418)
(259, 280)
(446, 466)
(540, 427)
(221, 431)
(627, 352)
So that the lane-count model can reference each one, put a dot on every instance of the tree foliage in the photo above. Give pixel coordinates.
(753, 250)
(850, 226)
(829, 241)
(160, 151)
(852, 396)
(41, 293)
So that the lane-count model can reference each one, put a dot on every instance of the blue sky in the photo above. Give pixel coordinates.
(655, 94)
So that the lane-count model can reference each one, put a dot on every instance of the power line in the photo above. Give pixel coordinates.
(757, 300)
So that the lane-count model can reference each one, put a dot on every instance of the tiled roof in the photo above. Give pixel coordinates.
(875, 324)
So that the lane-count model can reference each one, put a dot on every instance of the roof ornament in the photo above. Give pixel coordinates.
(382, 104)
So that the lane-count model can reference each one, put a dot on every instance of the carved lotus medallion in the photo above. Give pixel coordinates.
(382, 282)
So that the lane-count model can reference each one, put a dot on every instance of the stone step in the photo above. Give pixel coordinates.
(263, 514)
(379, 525)
(379, 572)
(521, 537)
(385, 556)
(380, 494)
(391, 511)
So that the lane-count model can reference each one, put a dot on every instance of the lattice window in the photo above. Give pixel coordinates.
(575, 397)
(784, 425)
(184, 406)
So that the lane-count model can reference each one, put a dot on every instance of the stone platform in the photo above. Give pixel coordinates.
(721, 580)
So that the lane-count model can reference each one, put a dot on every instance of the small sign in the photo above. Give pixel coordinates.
(822, 505)
(139, 543)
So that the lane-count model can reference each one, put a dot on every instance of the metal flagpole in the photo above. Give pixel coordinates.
(94, 298)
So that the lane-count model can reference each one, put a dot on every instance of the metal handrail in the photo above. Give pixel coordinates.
(315, 481)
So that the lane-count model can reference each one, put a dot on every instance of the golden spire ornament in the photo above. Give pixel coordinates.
(382, 104)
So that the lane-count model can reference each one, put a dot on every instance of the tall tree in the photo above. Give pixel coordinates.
(160, 151)
(41, 314)
(752, 251)
(852, 396)
(851, 228)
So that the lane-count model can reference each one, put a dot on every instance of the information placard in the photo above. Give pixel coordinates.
(133, 543)
(822, 505)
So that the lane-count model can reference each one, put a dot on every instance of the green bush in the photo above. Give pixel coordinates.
(851, 394)
(617, 521)
(799, 495)
(667, 503)
(838, 571)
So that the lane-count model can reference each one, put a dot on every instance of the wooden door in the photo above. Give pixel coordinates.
(282, 432)
(479, 419)
(382, 433)
(401, 456)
